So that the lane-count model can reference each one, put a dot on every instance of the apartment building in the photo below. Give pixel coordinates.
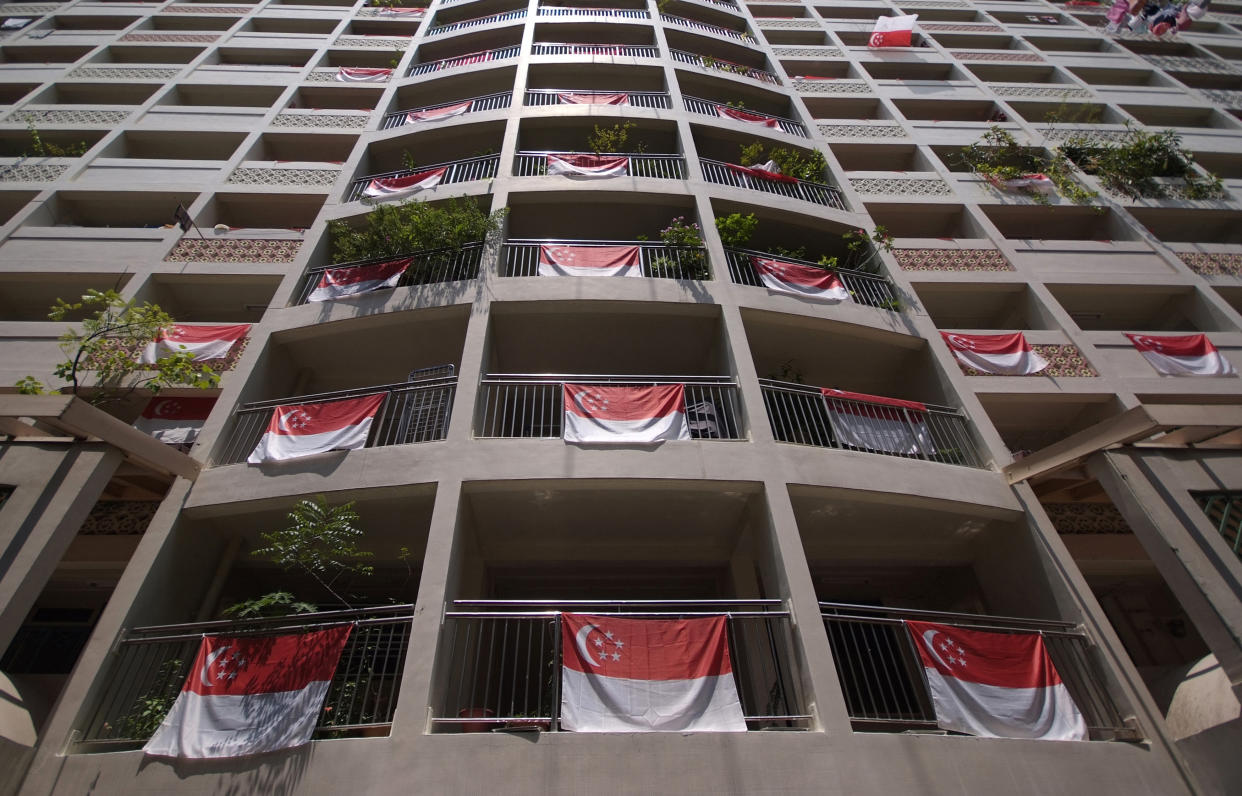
(1093, 501)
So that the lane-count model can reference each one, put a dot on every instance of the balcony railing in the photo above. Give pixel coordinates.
(577, 11)
(618, 50)
(707, 62)
(483, 56)
(500, 661)
(482, 167)
(708, 108)
(658, 261)
(413, 411)
(532, 406)
(635, 99)
(802, 415)
(488, 102)
(714, 30)
(659, 167)
(151, 663)
(506, 16)
(719, 172)
(883, 682)
(868, 289)
(427, 267)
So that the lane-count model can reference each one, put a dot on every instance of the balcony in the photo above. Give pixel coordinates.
(659, 261)
(576, 11)
(714, 30)
(469, 59)
(488, 102)
(634, 99)
(803, 415)
(659, 167)
(618, 50)
(414, 411)
(531, 406)
(502, 660)
(448, 27)
(722, 173)
(152, 663)
(709, 108)
(708, 62)
(426, 268)
(882, 677)
(477, 168)
(867, 289)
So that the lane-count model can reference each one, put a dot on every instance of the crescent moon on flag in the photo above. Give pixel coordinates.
(962, 342)
(165, 408)
(580, 640)
(929, 638)
(211, 658)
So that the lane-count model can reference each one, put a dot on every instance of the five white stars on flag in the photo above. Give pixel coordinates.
(297, 419)
(237, 661)
(608, 638)
(592, 401)
(948, 646)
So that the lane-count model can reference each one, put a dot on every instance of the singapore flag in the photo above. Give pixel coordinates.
(174, 420)
(385, 187)
(1184, 355)
(996, 354)
(800, 280)
(203, 342)
(997, 685)
(893, 31)
(436, 114)
(647, 675)
(595, 413)
(250, 695)
(593, 166)
(299, 430)
(876, 423)
(335, 283)
(590, 261)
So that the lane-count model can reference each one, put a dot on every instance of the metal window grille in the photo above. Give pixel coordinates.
(800, 414)
(1224, 509)
(512, 405)
(869, 289)
(500, 660)
(620, 50)
(708, 108)
(488, 102)
(477, 168)
(428, 267)
(463, 60)
(151, 663)
(707, 62)
(719, 172)
(521, 258)
(506, 16)
(666, 167)
(636, 99)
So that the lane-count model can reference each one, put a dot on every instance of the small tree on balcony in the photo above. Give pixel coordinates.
(1132, 167)
(797, 163)
(997, 157)
(392, 230)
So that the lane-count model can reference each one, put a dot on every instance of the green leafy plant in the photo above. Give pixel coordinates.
(997, 157)
(803, 165)
(1132, 167)
(736, 230)
(412, 226)
(687, 260)
(151, 706)
(614, 139)
(736, 105)
(108, 343)
(407, 161)
(47, 149)
(276, 603)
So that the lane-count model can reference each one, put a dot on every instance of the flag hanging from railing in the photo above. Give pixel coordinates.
(362, 74)
(393, 11)
(174, 421)
(436, 114)
(299, 430)
(335, 283)
(250, 695)
(800, 280)
(386, 187)
(647, 675)
(765, 171)
(619, 415)
(592, 166)
(893, 31)
(593, 98)
(589, 261)
(740, 115)
(873, 422)
(995, 354)
(997, 685)
(1182, 355)
(202, 342)
(1027, 183)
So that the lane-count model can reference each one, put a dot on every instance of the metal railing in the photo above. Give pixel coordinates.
(802, 415)
(636, 99)
(151, 664)
(707, 62)
(500, 661)
(719, 172)
(715, 30)
(428, 267)
(487, 102)
(882, 677)
(660, 167)
(581, 11)
(532, 406)
(708, 108)
(869, 289)
(482, 167)
(1224, 510)
(658, 261)
(505, 16)
(619, 50)
(415, 411)
(483, 56)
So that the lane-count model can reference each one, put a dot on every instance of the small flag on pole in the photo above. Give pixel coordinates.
(182, 217)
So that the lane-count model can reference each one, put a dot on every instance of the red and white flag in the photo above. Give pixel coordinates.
(746, 116)
(765, 171)
(893, 31)
(335, 283)
(593, 98)
(463, 60)
(997, 354)
(174, 420)
(392, 11)
(800, 280)
(588, 166)
(436, 114)
(620, 415)
(362, 74)
(879, 424)
(1027, 183)
(248, 695)
(384, 187)
(647, 675)
(298, 430)
(998, 685)
(1184, 355)
(589, 261)
(203, 342)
